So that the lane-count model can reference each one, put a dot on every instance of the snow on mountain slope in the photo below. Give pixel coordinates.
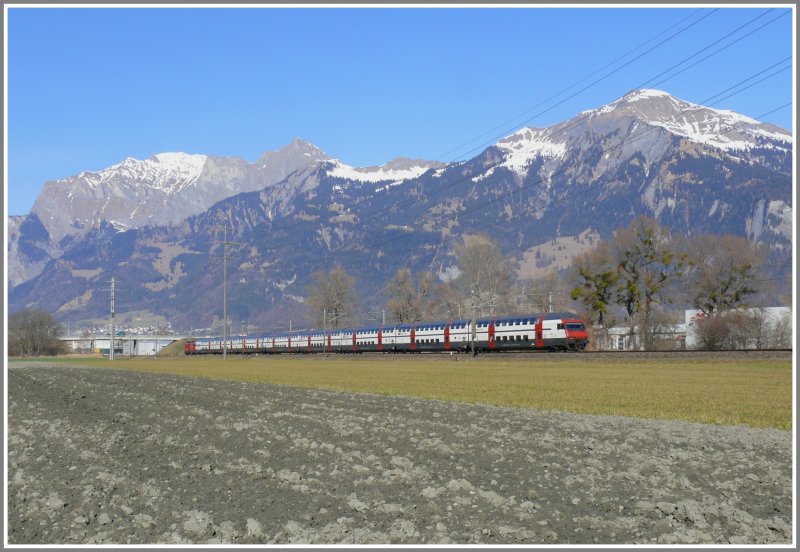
(169, 172)
(723, 129)
(626, 126)
(522, 147)
(395, 170)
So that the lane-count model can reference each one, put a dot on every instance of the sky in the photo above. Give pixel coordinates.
(88, 87)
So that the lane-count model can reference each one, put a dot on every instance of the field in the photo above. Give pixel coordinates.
(99, 455)
(755, 392)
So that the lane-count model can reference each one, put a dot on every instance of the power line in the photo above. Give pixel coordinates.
(381, 243)
(557, 132)
(661, 43)
(736, 30)
(503, 124)
(462, 213)
(608, 150)
(591, 84)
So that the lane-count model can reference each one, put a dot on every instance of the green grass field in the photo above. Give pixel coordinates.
(753, 392)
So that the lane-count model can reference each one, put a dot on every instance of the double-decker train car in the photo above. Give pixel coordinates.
(561, 331)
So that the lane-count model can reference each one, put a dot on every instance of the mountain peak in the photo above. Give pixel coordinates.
(645, 103)
(297, 148)
(644, 94)
(719, 128)
(162, 170)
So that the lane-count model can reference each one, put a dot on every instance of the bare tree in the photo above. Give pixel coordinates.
(486, 275)
(661, 330)
(542, 294)
(333, 295)
(409, 302)
(724, 268)
(447, 300)
(731, 329)
(34, 332)
(781, 332)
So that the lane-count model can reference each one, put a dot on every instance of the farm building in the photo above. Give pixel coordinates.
(123, 346)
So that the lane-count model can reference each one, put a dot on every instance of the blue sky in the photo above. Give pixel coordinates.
(88, 87)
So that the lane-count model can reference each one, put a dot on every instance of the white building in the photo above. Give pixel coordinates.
(123, 346)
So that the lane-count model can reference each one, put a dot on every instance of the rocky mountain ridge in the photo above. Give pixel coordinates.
(695, 169)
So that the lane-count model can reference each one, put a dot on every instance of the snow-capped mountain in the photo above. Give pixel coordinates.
(298, 210)
(631, 123)
(163, 189)
(167, 188)
(723, 129)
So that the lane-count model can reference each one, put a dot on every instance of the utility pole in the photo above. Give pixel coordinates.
(473, 325)
(111, 347)
(225, 243)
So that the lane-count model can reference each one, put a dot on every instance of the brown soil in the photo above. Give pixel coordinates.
(114, 457)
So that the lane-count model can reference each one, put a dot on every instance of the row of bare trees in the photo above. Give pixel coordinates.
(34, 332)
(643, 269)
(631, 278)
(483, 278)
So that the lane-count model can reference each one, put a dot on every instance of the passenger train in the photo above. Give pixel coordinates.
(561, 331)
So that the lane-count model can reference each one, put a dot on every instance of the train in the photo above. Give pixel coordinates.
(559, 331)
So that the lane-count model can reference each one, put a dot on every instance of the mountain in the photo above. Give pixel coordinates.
(544, 194)
(162, 190)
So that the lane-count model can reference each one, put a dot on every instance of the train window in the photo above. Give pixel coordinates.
(519, 338)
(560, 326)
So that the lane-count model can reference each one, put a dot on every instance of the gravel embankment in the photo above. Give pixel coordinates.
(114, 457)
